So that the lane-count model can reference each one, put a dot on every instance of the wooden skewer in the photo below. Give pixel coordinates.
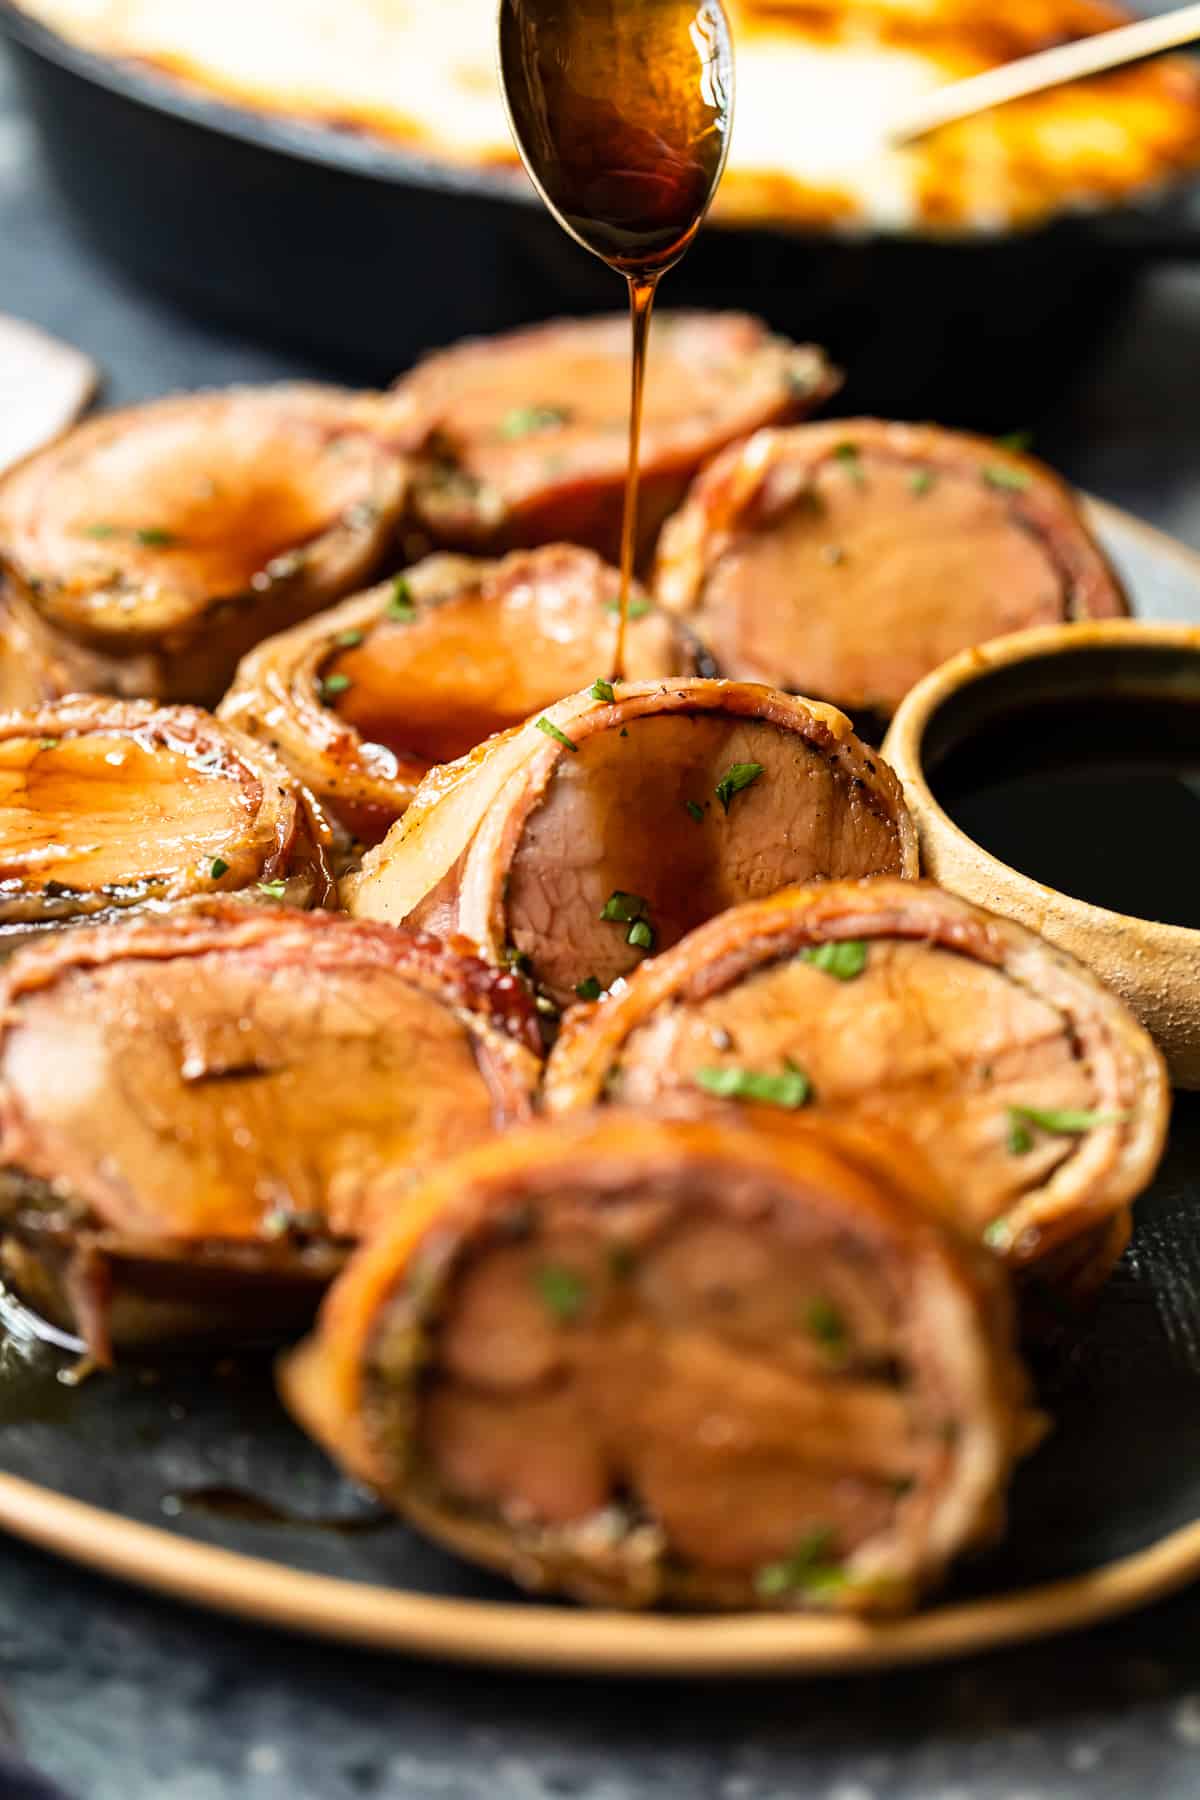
(1048, 68)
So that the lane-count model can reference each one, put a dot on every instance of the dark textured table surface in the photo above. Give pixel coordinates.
(121, 1697)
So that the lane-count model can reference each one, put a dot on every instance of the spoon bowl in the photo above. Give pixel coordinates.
(621, 111)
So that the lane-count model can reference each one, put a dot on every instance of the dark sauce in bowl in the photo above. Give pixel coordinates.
(1098, 797)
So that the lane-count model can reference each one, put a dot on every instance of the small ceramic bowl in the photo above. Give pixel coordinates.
(1155, 967)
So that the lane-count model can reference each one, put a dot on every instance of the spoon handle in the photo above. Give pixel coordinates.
(1048, 68)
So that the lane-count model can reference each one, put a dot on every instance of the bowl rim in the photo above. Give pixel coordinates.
(904, 747)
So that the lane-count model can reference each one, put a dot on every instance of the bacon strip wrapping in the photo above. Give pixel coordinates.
(110, 806)
(638, 1360)
(608, 827)
(199, 1110)
(522, 439)
(1039, 1102)
(157, 544)
(364, 699)
(847, 559)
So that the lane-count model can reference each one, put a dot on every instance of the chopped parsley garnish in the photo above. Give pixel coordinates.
(219, 867)
(1018, 1137)
(696, 810)
(624, 908)
(1017, 441)
(999, 475)
(333, 684)
(1065, 1121)
(847, 455)
(100, 531)
(995, 1235)
(921, 480)
(790, 1089)
(523, 421)
(740, 776)
(810, 1569)
(827, 1324)
(602, 690)
(274, 889)
(638, 607)
(154, 537)
(561, 1291)
(845, 960)
(400, 606)
(560, 737)
(630, 909)
(348, 640)
(589, 988)
(47, 743)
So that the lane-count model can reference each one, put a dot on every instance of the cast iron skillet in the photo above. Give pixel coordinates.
(370, 255)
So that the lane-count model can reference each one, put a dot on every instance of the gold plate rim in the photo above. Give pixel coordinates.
(562, 1640)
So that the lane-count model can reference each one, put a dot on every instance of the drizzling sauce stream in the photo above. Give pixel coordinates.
(621, 112)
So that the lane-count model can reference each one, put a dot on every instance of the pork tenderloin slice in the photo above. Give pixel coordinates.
(848, 559)
(522, 439)
(39, 664)
(220, 1080)
(1036, 1098)
(109, 805)
(170, 537)
(635, 1359)
(604, 830)
(364, 699)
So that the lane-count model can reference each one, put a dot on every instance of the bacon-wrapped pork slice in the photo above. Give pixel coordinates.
(198, 1111)
(610, 826)
(171, 537)
(111, 805)
(523, 439)
(848, 559)
(637, 1360)
(364, 699)
(32, 668)
(1036, 1097)
(39, 664)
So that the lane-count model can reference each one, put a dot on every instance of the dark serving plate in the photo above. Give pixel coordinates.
(189, 1477)
(338, 242)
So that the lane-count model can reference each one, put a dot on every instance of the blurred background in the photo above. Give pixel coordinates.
(336, 177)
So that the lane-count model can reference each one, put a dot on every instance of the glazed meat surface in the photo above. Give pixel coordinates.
(675, 1360)
(365, 698)
(248, 1074)
(1032, 1092)
(108, 805)
(846, 560)
(604, 830)
(39, 664)
(522, 439)
(172, 536)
